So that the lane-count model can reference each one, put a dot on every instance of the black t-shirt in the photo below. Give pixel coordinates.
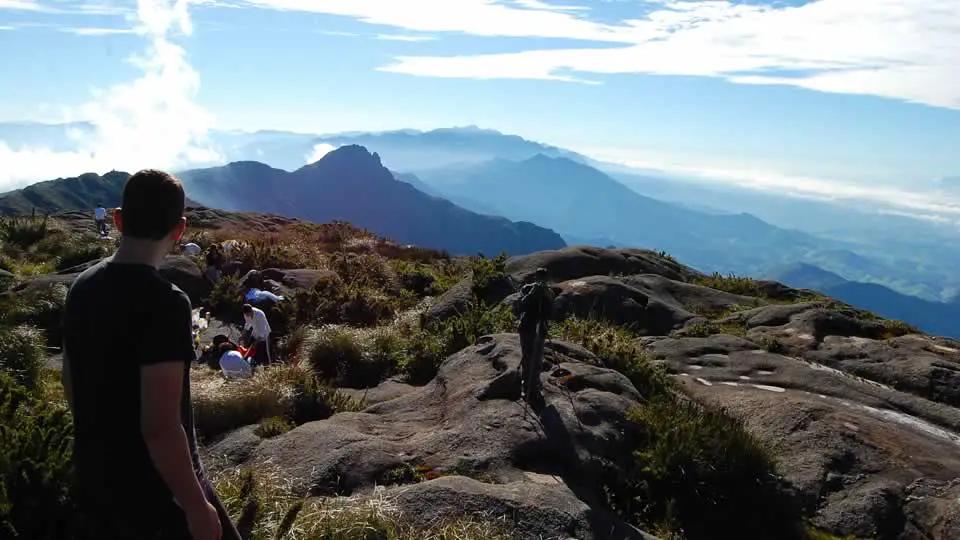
(120, 317)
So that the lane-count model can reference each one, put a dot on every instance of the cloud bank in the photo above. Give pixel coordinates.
(900, 49)
(153, 121)
(939, 206)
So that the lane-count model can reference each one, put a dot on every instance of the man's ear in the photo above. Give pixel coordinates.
(179, 230)
(118, 219)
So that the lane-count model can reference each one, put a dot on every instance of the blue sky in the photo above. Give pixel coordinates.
(860, 95)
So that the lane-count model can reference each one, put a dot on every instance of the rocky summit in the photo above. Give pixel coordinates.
(677, 404)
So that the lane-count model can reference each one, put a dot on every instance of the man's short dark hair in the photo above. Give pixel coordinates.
(247, 308)
(226, 347)
(153, 203)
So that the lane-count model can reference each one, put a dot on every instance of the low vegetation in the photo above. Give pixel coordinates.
(690, 470)
(266, 510)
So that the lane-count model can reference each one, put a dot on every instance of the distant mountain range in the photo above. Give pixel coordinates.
(716, 225)
(348, 184)
(939, 318)
(581, 202)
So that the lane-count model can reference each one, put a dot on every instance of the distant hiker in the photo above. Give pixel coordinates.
(100, 218)
(126, 374)
(260, 295)
(232, 363)
(535, 306)
(191, 249)
(259, 329)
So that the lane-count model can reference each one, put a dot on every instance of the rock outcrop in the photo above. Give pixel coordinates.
(868, 458)
(860, 411)
(469, 422)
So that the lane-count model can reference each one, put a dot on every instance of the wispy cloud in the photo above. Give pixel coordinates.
(23, 5)
(88, 31)
(900, 49)
(153, 121)
(939, 205)
(403, 37)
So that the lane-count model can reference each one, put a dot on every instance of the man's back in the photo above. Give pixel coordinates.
(118, 318)
(536, 303)
(100, 213)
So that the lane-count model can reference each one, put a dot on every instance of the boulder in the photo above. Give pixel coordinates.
(469, 422)
(850, 446)
(541, 507)
(184, 273)
(580, 261)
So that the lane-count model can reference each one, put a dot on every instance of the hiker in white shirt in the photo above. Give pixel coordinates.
(232, 364)
(191, 249)
(259, 328)
(100, 217)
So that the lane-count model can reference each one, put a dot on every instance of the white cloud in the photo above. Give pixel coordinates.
(318, 152)
(152, 121)
(937, 206)
(901, 49)
(91, 31)
(403, 37)
(477, 17)
(25, 5)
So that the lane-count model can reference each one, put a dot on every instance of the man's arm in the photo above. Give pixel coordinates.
(161, 385)
(163, 364)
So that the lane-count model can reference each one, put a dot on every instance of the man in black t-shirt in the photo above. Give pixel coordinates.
(127, 354)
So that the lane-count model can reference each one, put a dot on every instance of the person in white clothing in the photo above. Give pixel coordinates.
(191, 249)
(259, 328)
(232, 364)
(100, 217)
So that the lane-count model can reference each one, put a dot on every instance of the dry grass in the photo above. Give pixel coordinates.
(263, 504)
(220, 405)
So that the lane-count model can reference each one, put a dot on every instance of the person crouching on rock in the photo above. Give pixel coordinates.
(126, 374)
(535, 306)
(259, 328)
(232, 363)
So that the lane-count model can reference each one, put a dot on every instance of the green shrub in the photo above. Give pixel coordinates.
(315, 400)
(616, 348)
(265, 509)
(477, 321)
(226, 299)
(414, 277)
(41, 307)
(731, 283)
(24, 231)
(22, 355)
(333, 352)
(699, 329)
(484, 272)
(273, 426)
(697, 470)
(897, 328)
(82, 254)
(426, 350)
(35, 465)
(773, 345)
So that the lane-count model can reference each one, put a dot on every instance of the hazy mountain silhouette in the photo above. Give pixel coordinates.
(415, 151)
(580, 201)
(939, 318)
(351, 184)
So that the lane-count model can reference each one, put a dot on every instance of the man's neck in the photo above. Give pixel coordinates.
(138, 251)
